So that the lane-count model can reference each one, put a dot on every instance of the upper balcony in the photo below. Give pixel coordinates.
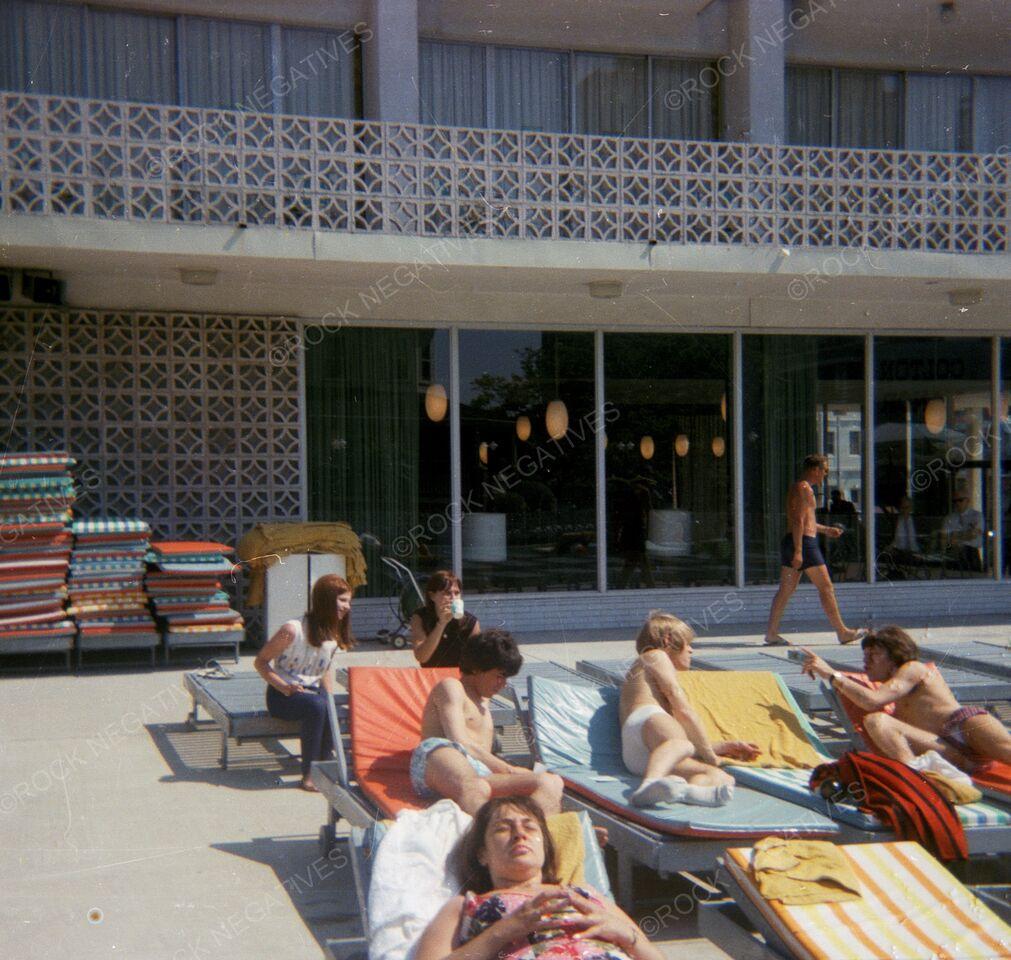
(109, 160)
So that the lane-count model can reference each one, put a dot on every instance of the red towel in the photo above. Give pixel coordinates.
(900, 797)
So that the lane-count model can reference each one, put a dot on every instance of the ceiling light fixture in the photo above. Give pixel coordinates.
(199, 278)
(605, 289)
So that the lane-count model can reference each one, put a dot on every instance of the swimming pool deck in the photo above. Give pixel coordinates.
(120, 836)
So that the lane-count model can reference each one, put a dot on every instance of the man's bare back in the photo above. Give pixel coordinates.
(476, 716)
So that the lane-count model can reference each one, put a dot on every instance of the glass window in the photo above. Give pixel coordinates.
(1004, 424)
(668, 460)
(132, 57)
(228, 65)
(452, 84)
(378, 443)
(939, 112)
(684, 99)
(798, 389)
(610, 95)
(321, 68)
(530, 89)
(42, 48)
(809, 106)
(991, 127)
(869, 108)
(830, 442)
(932, 456)
(527, 424)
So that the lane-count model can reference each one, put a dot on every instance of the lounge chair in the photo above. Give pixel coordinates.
(370, 777)
(994, 780)
(979, 656)
(364, 844)
(577, 736)
(911, 908)
(987, 825)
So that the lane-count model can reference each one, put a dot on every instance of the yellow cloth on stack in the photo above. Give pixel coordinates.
(751, 707)
(267, 543)
(803, 872)
(954, 791)
(567, 835)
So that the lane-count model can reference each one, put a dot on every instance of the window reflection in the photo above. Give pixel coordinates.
(932, 457)
(668, 460)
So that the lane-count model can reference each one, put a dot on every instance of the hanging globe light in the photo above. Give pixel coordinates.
(523, 428)
(723, 408)
(557, 419)
(935, 416)
(681, 445)
(719, 446)
(482, 453)
(647, 447)
(436, 403)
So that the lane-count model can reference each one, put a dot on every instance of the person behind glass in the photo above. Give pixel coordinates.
(961, 535)
(440, 628)
(297, 664)
(513, 907)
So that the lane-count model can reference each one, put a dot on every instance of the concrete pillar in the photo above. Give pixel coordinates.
(391, 61)
(753, 75)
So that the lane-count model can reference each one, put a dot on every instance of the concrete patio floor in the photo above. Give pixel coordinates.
(120, 836)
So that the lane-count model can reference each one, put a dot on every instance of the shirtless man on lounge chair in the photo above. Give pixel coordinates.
(662, 739)
(799, 553)
(927, 716)
(454, 758)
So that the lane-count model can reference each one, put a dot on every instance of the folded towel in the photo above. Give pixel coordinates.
(567, 836)
(803, 872)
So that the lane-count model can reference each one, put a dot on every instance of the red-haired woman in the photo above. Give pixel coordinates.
(440, 628)
(297, 664)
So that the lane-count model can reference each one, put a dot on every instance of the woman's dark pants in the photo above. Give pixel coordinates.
(310, 709)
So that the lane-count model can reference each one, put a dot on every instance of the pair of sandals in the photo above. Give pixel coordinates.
(857, 637)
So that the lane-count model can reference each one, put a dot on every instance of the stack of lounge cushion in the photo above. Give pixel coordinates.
(36, 498)
(107, 579)
(184, 584)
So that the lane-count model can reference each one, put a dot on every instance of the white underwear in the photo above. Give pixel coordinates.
(634, 753)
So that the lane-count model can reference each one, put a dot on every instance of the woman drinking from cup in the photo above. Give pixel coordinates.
(440, 628)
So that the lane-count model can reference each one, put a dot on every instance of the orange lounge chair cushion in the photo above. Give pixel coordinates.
(386, 704)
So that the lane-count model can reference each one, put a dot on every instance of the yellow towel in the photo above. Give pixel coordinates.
(267, 542)
(954, 791)
(803, 871)
(567, 836)
(752, 707)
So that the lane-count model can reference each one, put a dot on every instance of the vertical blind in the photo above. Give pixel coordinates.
(530, 90)
(76, 51)
(452, 84)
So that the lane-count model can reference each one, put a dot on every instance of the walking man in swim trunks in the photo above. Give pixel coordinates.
(799, 553)
(927, 716)
(454, 758)
(662, 739)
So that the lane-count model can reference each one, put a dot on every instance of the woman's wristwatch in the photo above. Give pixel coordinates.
(836, 677)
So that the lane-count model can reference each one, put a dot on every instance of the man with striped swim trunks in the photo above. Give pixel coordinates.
(926, 715)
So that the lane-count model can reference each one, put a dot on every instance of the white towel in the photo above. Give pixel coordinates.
(411, 879)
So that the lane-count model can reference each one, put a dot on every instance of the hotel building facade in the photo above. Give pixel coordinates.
(555, 295)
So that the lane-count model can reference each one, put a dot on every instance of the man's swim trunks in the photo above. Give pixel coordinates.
(951, 732)
(419, 761)
(811, 551)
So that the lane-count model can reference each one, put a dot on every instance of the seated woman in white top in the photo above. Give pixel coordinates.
(297, 664)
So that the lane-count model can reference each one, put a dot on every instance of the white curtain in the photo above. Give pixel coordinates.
(938, 112)
(682, 102)
(452, 84)
(869, 107)
(42, 48)
(992, 120)
(132, 57)
(228, 65)
(531, 89)
(610, 95)
(809, 106)
(320, 67)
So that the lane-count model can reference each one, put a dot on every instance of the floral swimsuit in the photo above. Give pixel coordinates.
(480, 911)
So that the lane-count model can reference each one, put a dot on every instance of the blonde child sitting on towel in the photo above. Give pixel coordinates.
(662, 739)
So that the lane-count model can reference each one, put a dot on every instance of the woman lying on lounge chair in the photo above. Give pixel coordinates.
(514, 909)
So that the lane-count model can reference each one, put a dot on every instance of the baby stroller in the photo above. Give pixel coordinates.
(406, 600)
